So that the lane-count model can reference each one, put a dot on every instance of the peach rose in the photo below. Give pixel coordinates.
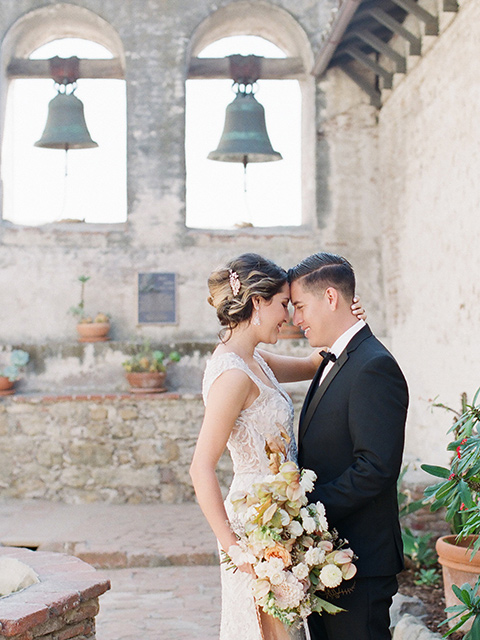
(279, 552)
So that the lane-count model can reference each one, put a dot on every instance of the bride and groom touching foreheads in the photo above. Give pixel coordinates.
(351, 432)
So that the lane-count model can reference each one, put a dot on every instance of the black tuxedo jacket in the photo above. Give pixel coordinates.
(351, 434)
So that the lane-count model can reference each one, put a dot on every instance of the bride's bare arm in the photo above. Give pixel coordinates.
(229, 394)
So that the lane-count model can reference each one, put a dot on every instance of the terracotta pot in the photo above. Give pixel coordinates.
(146, 382)
(93, 331)
(290, 331)
(458, 567)
(6, 386)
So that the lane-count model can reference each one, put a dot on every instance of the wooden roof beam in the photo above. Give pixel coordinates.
(341, 22)
(374, 94)
(450, 5)
(377, 69)
(382, 47)
(396, 27)
(430, 21)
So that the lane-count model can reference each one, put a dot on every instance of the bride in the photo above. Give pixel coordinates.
(245, 409)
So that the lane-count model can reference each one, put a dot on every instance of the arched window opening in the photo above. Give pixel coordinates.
(36, 190)
(215, 197)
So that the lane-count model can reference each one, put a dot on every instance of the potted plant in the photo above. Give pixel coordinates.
(11, 372)
(90, 328)
(458, 492)
(146, 369)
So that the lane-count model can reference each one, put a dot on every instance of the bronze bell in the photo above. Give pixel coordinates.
(245, 138)
(66, 127)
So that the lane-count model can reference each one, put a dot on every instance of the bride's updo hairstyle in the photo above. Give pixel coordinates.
(233, 287)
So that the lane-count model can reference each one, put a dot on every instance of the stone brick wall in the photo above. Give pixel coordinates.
(115, 448)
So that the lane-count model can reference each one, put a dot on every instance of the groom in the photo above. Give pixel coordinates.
(351, 433)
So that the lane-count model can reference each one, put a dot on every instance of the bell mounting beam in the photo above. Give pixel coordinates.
(91, 68)
(271, 68)
(199, 69)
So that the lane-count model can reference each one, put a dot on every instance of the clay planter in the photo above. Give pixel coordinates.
(458, 567)
(93, 331)
(290, 331)
(146, 382)
(6, 386)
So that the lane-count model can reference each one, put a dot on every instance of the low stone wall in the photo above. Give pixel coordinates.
(62, 605)
(114, 448)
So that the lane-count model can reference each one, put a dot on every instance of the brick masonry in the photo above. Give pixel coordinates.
(62, 606)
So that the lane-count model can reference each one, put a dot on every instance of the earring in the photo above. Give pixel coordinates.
(256, 318)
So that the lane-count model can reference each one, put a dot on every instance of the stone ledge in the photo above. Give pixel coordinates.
(66, 596)
(34, 398)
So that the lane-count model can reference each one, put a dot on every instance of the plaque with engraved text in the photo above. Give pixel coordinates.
(157, 298)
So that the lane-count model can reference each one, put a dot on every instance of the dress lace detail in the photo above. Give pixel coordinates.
(269, 414)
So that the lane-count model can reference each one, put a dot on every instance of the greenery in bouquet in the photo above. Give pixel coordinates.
(18, 360)
(149, 360)
(458, 490)
(296, 559)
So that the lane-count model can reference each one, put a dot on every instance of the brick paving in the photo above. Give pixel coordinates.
(178, 603)
(161, 561)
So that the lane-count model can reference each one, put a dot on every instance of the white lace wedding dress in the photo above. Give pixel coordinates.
(268, 415)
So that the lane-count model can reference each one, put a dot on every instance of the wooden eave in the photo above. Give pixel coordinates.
(359, 41)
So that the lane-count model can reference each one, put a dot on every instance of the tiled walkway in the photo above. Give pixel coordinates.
(160, 559)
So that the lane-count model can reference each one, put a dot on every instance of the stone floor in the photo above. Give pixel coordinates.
(178, 603)
(161, 560)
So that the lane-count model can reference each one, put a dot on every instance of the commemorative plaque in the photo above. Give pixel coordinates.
(157, 298)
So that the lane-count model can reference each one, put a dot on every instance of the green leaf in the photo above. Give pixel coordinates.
(474, 633)
(322, 605)
(434, 470)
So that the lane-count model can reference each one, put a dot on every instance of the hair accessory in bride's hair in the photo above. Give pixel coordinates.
(234, 282)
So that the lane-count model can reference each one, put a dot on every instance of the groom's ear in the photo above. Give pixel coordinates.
(332, 298)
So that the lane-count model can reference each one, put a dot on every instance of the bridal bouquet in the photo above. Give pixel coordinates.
(294, 555)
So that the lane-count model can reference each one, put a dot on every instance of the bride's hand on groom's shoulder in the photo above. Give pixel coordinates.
(357, 309)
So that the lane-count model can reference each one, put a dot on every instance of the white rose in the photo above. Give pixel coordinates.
(331, 575)
(301, 571)
(240, 556)
(307, 480)
(261, 569)
(308, 522)
(314, 556)
(295, 528)
(320, 507)
(277, 578)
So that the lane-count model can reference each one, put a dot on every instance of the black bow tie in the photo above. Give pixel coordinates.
(328, 356)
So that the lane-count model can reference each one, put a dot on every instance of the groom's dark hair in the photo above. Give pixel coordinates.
(322, 270)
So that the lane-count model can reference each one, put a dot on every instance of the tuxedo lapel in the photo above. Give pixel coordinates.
(311, 390)
(316, 392)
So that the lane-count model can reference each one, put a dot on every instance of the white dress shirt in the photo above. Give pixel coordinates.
(340, 345)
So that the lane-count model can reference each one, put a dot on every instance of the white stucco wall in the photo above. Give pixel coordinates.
(429, 167)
